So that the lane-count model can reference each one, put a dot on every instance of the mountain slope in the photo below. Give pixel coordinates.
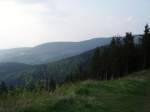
(11, 69)
(58, 70)
(50, 51)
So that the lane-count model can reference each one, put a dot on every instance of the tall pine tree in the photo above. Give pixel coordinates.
(145, 42)
(128, 53)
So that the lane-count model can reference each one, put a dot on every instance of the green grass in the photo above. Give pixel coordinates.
(128, 94)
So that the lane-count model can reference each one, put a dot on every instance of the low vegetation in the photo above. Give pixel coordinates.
(128, 94)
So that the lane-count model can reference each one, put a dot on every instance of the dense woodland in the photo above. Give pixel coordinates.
(121, 57)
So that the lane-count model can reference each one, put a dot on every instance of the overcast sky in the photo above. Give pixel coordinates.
(32, 22)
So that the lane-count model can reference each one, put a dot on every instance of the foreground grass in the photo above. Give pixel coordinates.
(129, 94)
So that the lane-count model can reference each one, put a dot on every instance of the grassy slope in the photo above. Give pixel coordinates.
(129, 94)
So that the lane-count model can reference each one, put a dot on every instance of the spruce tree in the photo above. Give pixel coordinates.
(128, 52)
(95, 65)
(116, 60)
(145, 42)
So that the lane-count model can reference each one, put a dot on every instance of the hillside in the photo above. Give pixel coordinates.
(50, 52)
(17, 73)
(11, 69)
(58, 70)
(128, 94)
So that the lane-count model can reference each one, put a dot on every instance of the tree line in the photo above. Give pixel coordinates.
(121, 57)
(124, 55)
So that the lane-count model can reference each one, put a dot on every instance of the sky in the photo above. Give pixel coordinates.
(26, 23)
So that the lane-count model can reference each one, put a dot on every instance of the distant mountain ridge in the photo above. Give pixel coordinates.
(50, 52)
(17, 73)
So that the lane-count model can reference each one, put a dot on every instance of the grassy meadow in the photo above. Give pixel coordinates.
(128, 94)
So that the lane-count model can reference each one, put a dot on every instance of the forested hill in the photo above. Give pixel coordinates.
(58, 70)
(66, 69)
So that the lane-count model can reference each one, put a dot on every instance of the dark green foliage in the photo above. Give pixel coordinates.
(121, 57)
(3, 88)
(95, 65)
(116, 57)
(52, 85)
(145, 44)
(128, 48)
